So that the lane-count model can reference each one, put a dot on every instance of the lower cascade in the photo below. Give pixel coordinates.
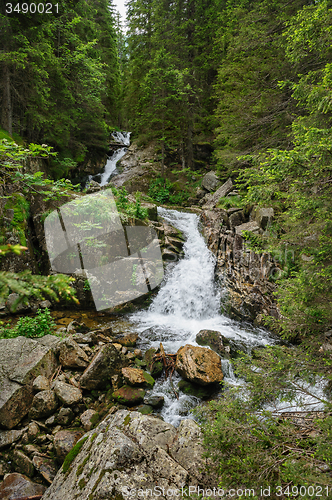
(188, 301)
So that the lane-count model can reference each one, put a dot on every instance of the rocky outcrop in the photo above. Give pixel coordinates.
(21, 361)
(199, 365)
(247, 275)
(129, 452)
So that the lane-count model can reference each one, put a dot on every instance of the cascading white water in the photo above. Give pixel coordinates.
(121, 138)
(188, 302)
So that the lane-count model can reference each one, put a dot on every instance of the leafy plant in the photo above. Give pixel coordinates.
(40, 325)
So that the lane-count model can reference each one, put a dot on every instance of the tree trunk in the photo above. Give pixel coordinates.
(7, 117)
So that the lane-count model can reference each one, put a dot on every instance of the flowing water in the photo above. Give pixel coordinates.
(110, 167)
(188, 301)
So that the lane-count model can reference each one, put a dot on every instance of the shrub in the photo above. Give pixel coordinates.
(40, 325)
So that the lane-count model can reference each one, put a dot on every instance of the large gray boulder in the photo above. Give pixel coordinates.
(21, 361)
(129, 452)
(210, 181)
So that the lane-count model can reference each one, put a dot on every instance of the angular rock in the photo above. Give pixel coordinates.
(107, 362)
(41, 383)
(264, 216)
(199, 391)
(145, 409)
(17, 486)
(33, 430)
(9, 437)
(21, 361)
(248, 226)
(71, 355)
(23, 463)
(155, 401)
(215, 340)
(65, 416)
(199, 365)
(43, 405)
(136, 376)
(236, 219)
(127, 340)
(64, 442)
(129, 396)
(210, 181)
(129, 451)
(213, 199)
(155, 367)
(46, 467)
(67, 394)
(89, 419)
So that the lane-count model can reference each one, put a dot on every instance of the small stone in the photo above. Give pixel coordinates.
(130, 356)
(64, 442)
(118, 347)
(65, 416)
(50, 421)
(45, 304)
(41, 384)
(124, 350)
(23, 463)
(89, 419)
(25, 438)
(145, 409)
(30, 448)
(129, 396)
(19, 486)
(9, 437)
(107, 362)
(127, 340)
(41, 439)
(213, 339)
(33, 430)
(56, 429)
(45, 467)
(155, 401)
(71, 355)
(138, 353)
(67, 394)
(44, 404)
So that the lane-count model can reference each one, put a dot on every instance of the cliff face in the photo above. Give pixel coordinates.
(246, 275)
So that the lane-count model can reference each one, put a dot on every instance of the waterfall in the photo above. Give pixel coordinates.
(120, 138)
(187, 302)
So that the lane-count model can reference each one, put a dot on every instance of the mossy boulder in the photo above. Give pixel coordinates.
(129, 396)
(215, 341)
(201, 392)
(145, 409)
(155, 367)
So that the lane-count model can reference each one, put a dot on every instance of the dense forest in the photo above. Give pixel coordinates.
(247, 81)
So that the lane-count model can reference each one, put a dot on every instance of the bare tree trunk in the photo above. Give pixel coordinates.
(7, 116)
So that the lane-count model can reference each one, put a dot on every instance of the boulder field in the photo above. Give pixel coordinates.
(76, 413)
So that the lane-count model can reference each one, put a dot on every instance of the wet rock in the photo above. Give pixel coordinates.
(46, 467)
(23, 463)
(9, 437)
(41, 383)
(107, 362)
(64, 442)
(210, 181)
(145, 409)
(199, 365)
(65, 416)
(127, 340)
(155, 367)
(129, 396)
(89, 419)
(130, 451)
(17, 486)
(155, 401)
(67, 394)
(43, 405)
(201, 392)
(236, 219)
(135, 376)
(21, 361)
(71, 355)
(215, 340)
